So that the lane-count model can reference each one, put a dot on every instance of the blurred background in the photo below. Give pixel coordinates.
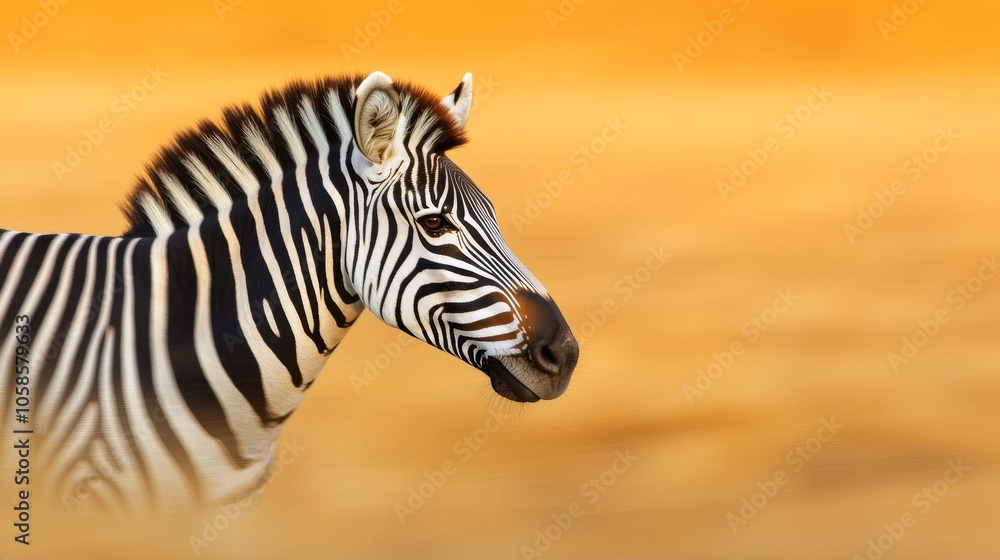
(772, 225)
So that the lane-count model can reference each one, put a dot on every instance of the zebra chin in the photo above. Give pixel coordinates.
(517, 378)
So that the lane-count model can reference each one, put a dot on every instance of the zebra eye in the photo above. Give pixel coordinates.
(434, 223)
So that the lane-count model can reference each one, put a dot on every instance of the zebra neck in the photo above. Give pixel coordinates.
(259, 285)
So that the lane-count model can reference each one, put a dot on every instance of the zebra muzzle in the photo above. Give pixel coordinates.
(544, 368)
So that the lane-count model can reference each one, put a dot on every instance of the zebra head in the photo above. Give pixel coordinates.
(428, 256)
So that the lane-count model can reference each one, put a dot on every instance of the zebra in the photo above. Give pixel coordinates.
(164, 363)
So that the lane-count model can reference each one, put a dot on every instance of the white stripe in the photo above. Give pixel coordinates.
(208, 183)
(269, 315)
(234, 165)
(466, 317)
(157, 215)
(262, 150)
(290, 134)
(183, 202)
(163, 472)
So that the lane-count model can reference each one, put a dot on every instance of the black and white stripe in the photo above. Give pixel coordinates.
(166, 361)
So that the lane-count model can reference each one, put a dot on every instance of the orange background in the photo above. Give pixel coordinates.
(654, 185)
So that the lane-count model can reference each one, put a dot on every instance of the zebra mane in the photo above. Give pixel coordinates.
(188, 178)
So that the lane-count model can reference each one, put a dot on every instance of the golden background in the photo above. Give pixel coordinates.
(869, 86)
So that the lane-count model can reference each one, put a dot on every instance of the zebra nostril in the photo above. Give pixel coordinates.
(550, 344)
(547, 359)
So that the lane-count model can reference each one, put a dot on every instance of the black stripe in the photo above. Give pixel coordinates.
(228, 335)
(182, 290)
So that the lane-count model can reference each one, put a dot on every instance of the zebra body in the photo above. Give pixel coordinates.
(165, 362)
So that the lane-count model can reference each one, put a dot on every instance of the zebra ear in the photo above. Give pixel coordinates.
(459, 102)
(376, 112)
